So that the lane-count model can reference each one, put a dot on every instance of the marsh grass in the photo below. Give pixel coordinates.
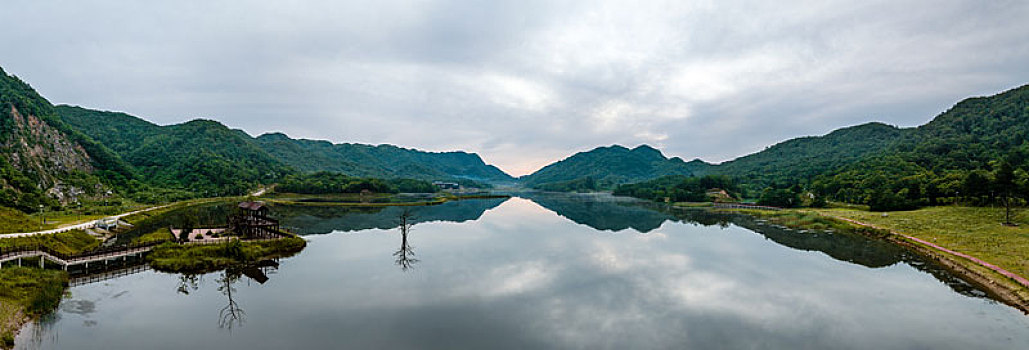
(162, 234)
(27, 291)
(70, 242)
(177, 258)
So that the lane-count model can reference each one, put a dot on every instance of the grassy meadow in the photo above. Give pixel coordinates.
(976, 231)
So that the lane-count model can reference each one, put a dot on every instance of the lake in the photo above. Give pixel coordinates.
(544, 272)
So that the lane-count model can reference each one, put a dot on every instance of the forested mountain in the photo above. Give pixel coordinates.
(200, 156)
(384, 161)
(806, 157)
(207, 158)
(605, 167)
(978, 151)
(43, 161)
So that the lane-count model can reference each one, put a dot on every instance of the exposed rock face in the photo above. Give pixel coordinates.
(43, 153)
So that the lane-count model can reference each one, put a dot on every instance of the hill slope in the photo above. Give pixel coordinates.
(918, 164)
(384, 161)
(807, 157)
(42, 160)
(200, 156)
(608, 166)
(206, 156)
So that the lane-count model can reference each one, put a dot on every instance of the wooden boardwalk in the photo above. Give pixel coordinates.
(66, 261)
(103, 255)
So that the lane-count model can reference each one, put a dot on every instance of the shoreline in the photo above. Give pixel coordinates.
(957, 263)
(997, 282)
(435, 201)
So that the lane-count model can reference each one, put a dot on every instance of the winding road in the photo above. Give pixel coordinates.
(92, 223)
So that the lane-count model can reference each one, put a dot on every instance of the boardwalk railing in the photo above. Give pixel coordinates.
(102, 253)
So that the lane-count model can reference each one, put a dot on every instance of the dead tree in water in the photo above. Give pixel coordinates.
(231, 315)
(405, 255)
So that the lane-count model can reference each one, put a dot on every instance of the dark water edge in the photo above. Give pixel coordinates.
(553, 272)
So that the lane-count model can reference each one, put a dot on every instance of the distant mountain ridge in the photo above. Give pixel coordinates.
(608, 166)
(208, 152)
(55, 155)
(386, 161)
(919, 164)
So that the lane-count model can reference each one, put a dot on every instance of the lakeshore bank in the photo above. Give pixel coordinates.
(994, 266)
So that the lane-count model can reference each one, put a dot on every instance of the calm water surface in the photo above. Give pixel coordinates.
(544, 272)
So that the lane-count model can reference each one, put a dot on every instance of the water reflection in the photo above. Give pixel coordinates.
(405, 255)
(601, 212)
(522, 277)
(609, 213)
(232, 314)
(322, 220)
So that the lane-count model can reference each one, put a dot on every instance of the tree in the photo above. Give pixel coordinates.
(1004, 183)
(976, 185)
(887, 200)
(779, 197)
(405, 255)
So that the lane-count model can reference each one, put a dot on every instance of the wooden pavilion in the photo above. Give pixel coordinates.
(251, 220)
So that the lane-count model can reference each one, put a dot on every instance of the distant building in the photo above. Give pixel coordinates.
(446, 185)
(718, 195)
(107, 223)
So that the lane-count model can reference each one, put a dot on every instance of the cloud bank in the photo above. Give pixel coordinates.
(523, 83)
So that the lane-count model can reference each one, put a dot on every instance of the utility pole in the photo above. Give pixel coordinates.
(42, 218)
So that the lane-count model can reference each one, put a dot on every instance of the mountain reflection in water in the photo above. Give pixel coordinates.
(546, 271)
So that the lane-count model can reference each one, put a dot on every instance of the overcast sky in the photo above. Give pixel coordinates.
(522, 83)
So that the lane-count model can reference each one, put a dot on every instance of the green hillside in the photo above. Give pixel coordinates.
(806, 157)
(207, 158)
(44, 161)
(201, 156)
(607, 167)
(957, 155)
(384, 161)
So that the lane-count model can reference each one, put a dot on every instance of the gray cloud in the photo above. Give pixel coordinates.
(523, 83)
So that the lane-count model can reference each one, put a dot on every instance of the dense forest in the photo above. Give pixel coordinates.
(326, 182)
(975, 153)
(201, 156)
(382, 161)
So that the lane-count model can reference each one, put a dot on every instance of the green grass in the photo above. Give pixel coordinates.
(70, 242)
(15, 221)
(173, 257)
(804, 220)
(12, 220)
(971, 230)
(694, 204)
(163, 234)
(27, 291)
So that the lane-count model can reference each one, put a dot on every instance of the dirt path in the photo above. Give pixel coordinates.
(82, 226)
